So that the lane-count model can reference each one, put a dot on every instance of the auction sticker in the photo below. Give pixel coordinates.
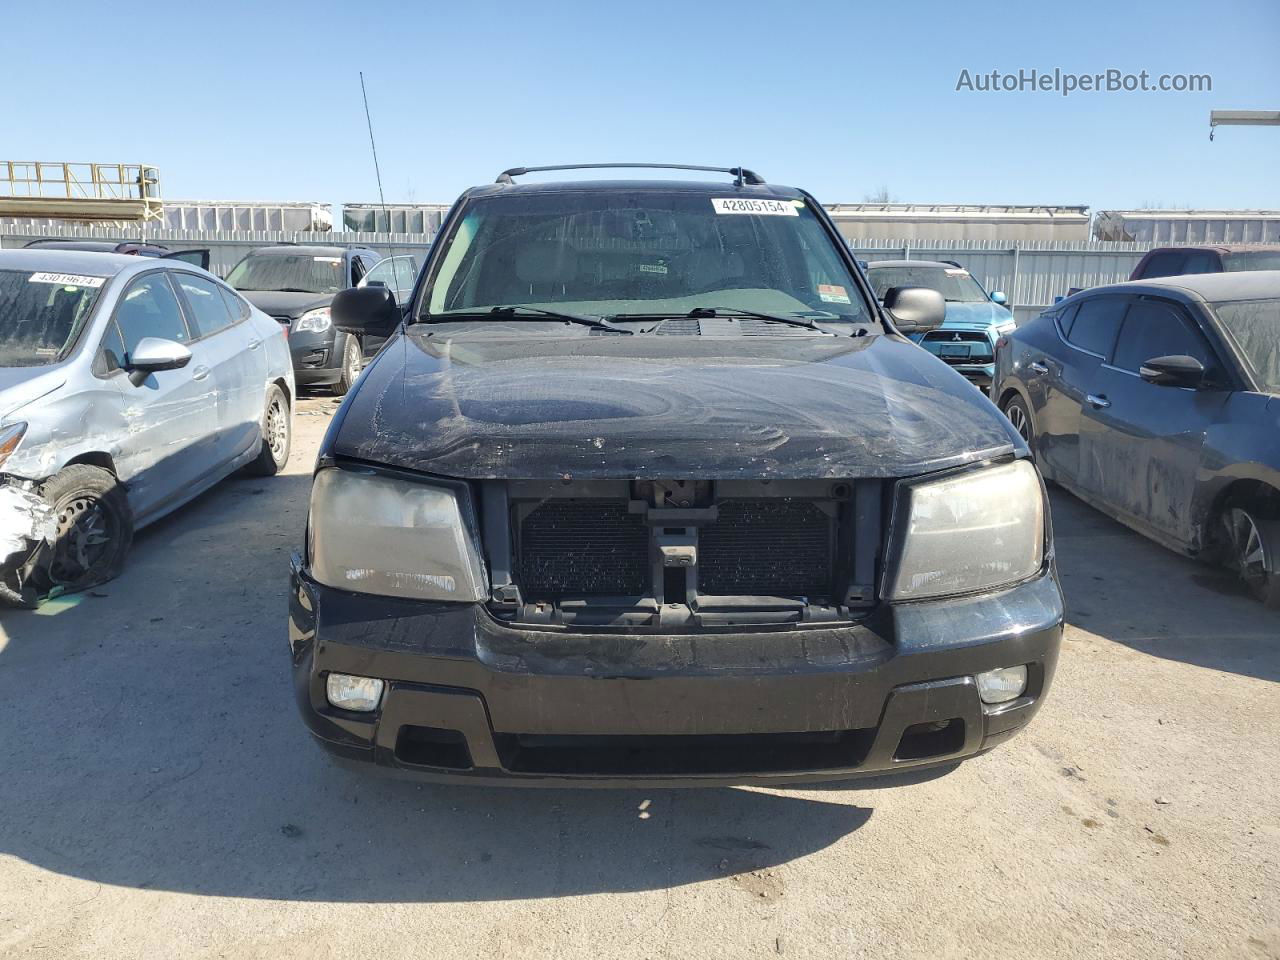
(327, 259)
(831, 293)
(957, 272)
(67, 279)
(768, 208)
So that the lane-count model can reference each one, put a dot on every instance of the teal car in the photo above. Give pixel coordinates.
(975, 319)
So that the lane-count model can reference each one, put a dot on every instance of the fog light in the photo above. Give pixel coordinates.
(353, 693)
(1002, 685)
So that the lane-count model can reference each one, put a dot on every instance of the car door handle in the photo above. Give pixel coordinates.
(1097, 401)
(255, 343)
(199, 373)
(1038, 367)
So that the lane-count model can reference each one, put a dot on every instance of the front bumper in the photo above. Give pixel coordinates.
(315, 359)
(470, 699)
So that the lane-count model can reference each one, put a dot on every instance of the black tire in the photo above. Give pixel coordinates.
(352, 361)
(1253, 539)
(95, 528)
(277, 434)
(1015, 408)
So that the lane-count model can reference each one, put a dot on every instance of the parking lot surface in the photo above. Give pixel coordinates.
(159, 796)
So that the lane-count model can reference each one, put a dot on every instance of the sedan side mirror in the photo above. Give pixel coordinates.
(999, 297)
(370, 309)
(1175, 371)
(915, 309)
(155, 353)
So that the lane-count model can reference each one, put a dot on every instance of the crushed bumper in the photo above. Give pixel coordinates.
(469, 699)
(27, 526)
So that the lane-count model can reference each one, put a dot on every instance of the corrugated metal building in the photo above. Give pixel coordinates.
(948, 221)
(1188, 226)
(231, 215)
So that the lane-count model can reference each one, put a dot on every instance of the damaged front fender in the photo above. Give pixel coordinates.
(28, 526)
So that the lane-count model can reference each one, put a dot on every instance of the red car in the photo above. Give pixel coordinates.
(1209, 258)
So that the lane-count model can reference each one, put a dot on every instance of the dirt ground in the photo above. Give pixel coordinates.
(160, 798)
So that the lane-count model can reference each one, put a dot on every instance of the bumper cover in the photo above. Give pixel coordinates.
(469, 699)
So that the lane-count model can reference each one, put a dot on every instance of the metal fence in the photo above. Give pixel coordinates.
(1031, 273)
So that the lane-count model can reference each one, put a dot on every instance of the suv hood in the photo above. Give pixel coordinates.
(275, 303)
(503, 406)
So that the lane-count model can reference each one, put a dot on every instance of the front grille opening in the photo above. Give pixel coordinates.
(582, 548)
(767, 547)
(920, 741)
(433, 747)
(671, 755)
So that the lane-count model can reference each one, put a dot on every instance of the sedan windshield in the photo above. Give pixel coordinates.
(302, 273)
(643, 252)
(954, 283)
(1254, 325)
(42, 314)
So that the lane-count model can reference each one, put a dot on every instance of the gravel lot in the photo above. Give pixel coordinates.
(160, 798)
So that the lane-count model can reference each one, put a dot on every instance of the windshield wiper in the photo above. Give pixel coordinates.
(698, 312)
(520, 313)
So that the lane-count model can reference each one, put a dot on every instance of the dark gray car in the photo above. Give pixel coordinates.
(1158, 402)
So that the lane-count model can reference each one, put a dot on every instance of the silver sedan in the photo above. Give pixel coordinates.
(128, 386)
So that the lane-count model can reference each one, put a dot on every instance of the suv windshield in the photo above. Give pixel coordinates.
(643, 252)
(41, 314)
(300, 273)
(1254, 325)
(954, 283)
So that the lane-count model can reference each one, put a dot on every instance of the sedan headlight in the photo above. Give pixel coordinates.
(968, 532)
(317, 321)
(377, 534)
(10, 437)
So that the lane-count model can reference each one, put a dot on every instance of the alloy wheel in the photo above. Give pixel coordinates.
(1250, 550)
(1018, 418)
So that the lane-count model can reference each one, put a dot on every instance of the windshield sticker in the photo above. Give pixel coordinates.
(67, 279)
(652, 268)
(768, 208)
(327, 259)
(957, 272)
(831, 293)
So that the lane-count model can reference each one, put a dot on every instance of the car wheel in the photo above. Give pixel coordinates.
(277, 435)
(351, 363)
(95, 528)
(1016, 411)
(1254, 542)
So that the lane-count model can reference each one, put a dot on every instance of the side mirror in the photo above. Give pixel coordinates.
(915, 309)
(370, 309)
(155, 353)
(1175, 371)
(999, 297)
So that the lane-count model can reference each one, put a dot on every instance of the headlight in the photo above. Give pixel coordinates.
(315, 320)
(968, 532)
(1007, 328)
(375, 534)
(10, 437)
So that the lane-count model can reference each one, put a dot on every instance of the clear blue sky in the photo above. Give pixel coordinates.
(260, 101)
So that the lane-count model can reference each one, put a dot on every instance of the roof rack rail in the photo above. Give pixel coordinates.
(954, 263)
(741, 174)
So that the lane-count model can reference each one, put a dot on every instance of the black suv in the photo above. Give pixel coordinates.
(295, 284)
(649, 488)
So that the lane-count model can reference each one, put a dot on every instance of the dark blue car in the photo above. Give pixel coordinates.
(975, 319)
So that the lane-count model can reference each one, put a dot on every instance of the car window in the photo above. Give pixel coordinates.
(238, 306)
(1096, 324)
(357, 270)
(406, 274)
(1154, 329)
(111, 352)
(1253, 260)
(1254, 327)
(289, 273)
(1067, 318)
(209, 313)
(149, 308)
(954, 283)
(1201, 262)
(1165, 264)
